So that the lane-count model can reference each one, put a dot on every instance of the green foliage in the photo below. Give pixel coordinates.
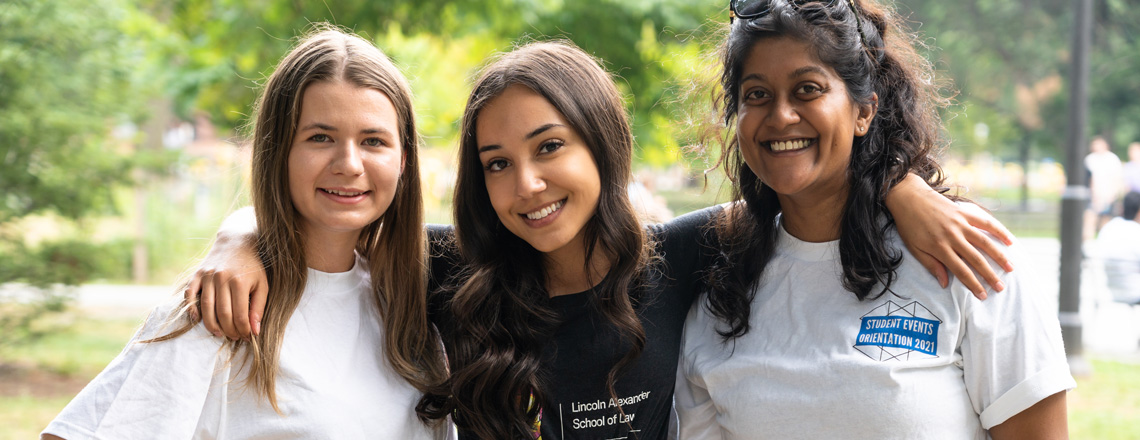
(69, 261)
(46, 274)
(70, 72)
(66, 77)
(1010, 61)
(22, 318)
(230, 46)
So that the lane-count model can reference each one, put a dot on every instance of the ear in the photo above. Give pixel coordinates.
(866, 115)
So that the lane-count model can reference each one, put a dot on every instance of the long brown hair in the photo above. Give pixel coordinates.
(500, 309)
(393, 245)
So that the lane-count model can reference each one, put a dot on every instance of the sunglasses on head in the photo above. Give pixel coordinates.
(752, 9)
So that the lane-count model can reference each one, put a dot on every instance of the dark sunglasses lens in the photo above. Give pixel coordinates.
(750, 8)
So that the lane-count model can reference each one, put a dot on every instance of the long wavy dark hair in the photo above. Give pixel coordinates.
(501, 309)
(902, 136)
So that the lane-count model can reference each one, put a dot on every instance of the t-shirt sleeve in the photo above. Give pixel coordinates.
(151, 390)
(687, 245)
(1012, 352)
(696, 412)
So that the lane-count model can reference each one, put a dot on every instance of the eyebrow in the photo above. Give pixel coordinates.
(326, 127)
(806, 70)
(528, 136)
(795, 73)
(541, 129)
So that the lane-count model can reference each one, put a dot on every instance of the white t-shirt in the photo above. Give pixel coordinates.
(818, 363)
(334, 380)
(1119, 246)
(1106, 171)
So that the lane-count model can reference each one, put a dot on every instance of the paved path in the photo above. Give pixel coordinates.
(1110, 329)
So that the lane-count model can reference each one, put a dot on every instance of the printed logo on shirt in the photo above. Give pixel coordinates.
(601, 418)
(891, 332)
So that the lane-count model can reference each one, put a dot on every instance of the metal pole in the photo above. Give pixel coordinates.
(1076, 194)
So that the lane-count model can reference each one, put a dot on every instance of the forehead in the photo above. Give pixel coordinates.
(513, 114)
(348, 103)
(781, 58)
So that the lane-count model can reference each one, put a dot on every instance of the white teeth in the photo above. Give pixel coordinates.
(343, 193)
(542, 213)
(789, 145)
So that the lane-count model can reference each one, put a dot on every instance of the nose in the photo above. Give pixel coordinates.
(348, 160)
(528, 180)
(784, 113)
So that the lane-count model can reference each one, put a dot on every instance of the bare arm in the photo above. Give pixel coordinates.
(49, 437)
(1045, 420)
(943, 236)
(231, 280)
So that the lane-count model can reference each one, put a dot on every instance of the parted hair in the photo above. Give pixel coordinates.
(901, 139)
(501, 309)
(393, 245)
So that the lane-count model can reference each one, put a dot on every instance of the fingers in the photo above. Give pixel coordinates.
(933, 266)
(958, 267)
(257, 304)
(190, 295)
(225, 311)
(239, 303)
(989, 224)
(980, 242)
(206, 305)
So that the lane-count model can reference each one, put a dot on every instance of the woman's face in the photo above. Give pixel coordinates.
(796, 123)
(540, 174)
(346, 158)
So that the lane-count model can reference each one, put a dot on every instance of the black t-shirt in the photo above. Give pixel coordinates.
(585, 346)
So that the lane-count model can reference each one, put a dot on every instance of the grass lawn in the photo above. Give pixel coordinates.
(37, 382)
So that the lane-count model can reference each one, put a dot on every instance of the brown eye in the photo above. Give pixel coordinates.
(494, 165)
(809, 89)
(754, 95)
(549, 146)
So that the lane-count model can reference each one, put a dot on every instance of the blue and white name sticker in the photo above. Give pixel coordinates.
(894, 332)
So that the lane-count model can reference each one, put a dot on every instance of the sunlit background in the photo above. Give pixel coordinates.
(122, 126)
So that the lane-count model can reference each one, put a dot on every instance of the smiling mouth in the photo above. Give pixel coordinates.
(789, 145)
(343, 193)
(549, 209)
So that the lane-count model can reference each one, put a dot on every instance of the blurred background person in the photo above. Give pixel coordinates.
(1104, 185)
(1131, 170)
(1119, 245)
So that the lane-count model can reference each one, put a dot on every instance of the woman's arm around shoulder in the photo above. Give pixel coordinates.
(942, 235)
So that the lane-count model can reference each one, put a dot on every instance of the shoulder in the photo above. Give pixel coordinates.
(687, 232)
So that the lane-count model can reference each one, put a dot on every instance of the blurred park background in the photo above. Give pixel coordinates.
(122, 128)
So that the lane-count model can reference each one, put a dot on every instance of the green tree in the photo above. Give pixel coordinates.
(649, 44)
(70, 71)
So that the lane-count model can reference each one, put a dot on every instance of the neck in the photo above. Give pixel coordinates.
(814, 219)
(567, 271)
(330, 252)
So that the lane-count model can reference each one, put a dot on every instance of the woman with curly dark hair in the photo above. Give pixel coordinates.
(818, 323)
